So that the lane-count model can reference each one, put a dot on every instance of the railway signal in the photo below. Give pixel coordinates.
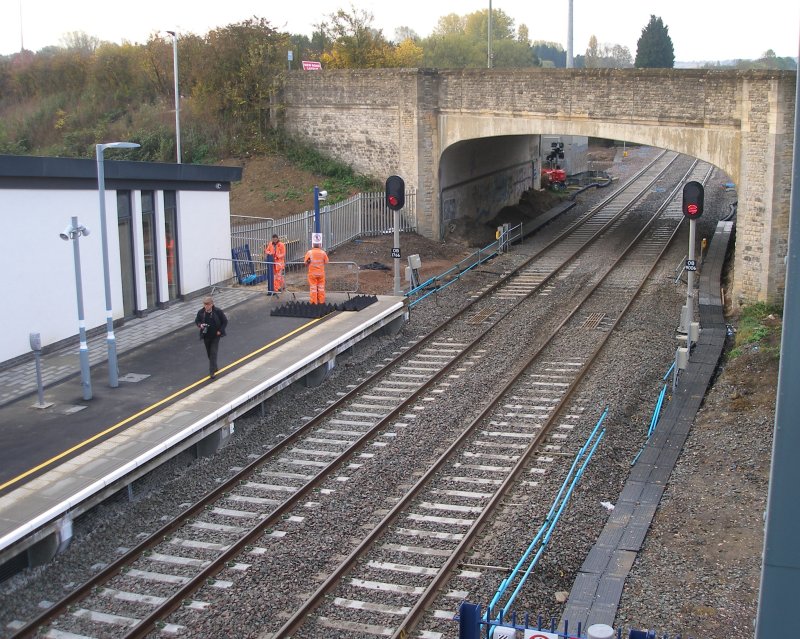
(693, 200)
(396, 200)
(395, 192)
(692, 208)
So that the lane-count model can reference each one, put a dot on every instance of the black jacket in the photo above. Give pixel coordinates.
(215, 319)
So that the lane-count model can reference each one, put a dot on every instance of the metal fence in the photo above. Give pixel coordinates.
(340, 277)
(473, 623)
(364, 214)
(436, 283)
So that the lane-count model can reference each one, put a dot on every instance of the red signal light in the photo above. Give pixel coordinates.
(693, 195)
(395, 192)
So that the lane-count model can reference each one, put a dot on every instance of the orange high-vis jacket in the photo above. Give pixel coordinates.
(316, 259)
(278, 251)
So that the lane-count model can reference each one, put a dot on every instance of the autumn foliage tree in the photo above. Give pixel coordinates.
(355, 44)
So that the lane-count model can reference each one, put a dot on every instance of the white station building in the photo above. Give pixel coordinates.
(164, 223)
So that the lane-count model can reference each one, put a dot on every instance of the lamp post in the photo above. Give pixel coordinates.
(73, 232)
(489, 30)
(174, 35)
(113, 376)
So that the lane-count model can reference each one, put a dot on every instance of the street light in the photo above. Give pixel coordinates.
(113, 377)
(174, 35)
(73, 232)
(489, 51)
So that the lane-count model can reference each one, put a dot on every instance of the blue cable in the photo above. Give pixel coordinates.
(553, 515)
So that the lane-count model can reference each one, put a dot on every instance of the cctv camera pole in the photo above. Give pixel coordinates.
(316, 210)
(111, 341)
(86, 381)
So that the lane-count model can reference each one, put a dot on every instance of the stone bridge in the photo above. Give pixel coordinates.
(436, 128)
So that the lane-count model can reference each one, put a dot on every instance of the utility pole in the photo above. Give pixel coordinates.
(570, 62)
(489, 60)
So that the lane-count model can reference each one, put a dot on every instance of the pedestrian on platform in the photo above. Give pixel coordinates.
(316, 259)
(277, 250)
(212, 323)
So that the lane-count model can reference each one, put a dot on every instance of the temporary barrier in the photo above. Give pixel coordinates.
(340, 277)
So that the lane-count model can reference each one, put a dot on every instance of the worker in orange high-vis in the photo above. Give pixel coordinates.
(316, 259)
(277, 250)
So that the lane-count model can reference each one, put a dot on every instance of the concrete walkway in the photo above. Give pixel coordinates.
(19, 380)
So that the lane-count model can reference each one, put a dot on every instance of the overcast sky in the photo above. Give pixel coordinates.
(700, 29)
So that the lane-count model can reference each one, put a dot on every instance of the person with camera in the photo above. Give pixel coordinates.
(212, 323)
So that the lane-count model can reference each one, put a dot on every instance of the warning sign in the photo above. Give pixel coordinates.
(540, 634)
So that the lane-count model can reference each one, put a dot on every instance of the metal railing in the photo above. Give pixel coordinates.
(364, 214)
(340, 277)
(451, 275)
(474, 623)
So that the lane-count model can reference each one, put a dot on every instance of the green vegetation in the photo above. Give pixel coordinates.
(62, 100)
(759, 329)
(341, 179)
(654, 49)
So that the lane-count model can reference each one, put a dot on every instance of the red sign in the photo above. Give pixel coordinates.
(311, 65)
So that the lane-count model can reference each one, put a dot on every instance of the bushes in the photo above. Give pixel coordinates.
(759, 329)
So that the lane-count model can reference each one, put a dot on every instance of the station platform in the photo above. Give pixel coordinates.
(58, 461)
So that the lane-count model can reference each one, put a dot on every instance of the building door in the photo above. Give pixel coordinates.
(125, 229)
(149, 247)
(171, 241)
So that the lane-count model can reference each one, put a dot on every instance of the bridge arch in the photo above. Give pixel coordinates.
(402, 120)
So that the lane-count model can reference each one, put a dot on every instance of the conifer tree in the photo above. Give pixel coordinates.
(654, 49)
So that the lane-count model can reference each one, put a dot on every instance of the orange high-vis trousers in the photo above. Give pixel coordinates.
(316, 285)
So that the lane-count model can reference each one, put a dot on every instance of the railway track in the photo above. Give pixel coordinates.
(519, 432)
(136, 593)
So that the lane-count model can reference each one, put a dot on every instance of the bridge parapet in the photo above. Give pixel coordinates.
(387, 121)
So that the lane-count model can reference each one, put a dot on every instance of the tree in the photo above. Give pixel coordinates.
(592, 57)
(451, 24)
(550, 54)
(80, 41)
(606, 56)
(405, 33)
(654, 49)
(461, 42)
(407, 54)
(354, 42)
(242, 62)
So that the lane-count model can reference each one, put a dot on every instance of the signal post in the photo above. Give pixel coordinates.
(693, 196)
(396, 200)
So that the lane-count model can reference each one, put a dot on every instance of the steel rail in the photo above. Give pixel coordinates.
(300, 615)
(148, 623)
(117, 566)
